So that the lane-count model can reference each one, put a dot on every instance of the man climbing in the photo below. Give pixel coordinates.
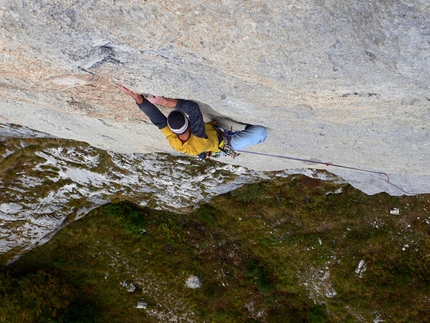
(186, 131)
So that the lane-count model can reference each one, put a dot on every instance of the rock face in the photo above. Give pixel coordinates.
(47, 183)
(345, 82)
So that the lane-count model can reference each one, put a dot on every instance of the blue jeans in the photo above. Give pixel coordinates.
(253, 135)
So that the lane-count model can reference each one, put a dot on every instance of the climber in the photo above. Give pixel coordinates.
(187, 133)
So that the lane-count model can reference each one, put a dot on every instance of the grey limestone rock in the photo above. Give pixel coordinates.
(193, 282)
(345, 82)
(128, 285)
(142, 304)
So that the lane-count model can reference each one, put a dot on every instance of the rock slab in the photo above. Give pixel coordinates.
(343, 82)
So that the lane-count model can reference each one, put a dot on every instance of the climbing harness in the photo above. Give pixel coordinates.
(225, 149)
(330, 164)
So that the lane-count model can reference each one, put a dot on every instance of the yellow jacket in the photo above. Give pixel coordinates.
(194, 145)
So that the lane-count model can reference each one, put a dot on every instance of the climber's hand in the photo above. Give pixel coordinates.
(137, 97)
(156, 99)
(171, 103)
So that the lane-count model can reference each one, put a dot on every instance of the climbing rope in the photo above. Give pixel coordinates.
(329, 164)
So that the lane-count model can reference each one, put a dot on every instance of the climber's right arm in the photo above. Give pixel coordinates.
(153, 113)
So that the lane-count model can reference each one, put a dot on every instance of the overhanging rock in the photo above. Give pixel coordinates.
(334, 81)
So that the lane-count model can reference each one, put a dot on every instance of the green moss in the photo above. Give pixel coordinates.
(266, 253)
(43, 296)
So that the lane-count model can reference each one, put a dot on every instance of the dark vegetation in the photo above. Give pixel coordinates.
(287, 250)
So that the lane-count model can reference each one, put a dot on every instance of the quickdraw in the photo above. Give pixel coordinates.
(225, 149)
